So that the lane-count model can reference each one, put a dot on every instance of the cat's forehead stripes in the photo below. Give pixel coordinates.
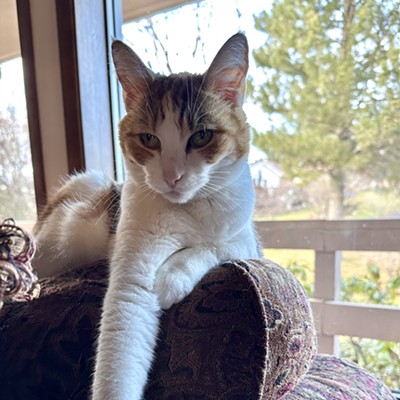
(182, 92)
(170, 131)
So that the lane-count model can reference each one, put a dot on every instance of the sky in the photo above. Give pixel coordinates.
(12, 91)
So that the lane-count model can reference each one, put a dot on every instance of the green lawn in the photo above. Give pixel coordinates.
(299, 215)
(363, 205)
(373, 204)
(354, 264)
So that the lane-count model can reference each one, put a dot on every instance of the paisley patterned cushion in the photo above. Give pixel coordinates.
(245, 332)
(331, 378)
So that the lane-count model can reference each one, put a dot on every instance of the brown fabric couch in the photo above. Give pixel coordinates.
(246, 332)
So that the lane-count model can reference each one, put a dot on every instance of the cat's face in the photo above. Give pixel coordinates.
(184, 132)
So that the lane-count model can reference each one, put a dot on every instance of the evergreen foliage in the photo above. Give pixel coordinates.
(332, 90)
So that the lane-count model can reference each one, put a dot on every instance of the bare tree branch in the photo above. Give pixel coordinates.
(150, 29)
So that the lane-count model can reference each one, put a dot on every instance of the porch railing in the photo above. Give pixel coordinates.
(328, 238)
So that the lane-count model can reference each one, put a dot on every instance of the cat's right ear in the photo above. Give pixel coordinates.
(132, 73)
(227, 73)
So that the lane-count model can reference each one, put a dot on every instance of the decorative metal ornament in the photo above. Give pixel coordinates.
(18, 282)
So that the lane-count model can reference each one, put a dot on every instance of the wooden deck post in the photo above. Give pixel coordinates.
(327, 287)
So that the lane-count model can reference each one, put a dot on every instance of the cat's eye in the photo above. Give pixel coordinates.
(150, 141)
(200, 139)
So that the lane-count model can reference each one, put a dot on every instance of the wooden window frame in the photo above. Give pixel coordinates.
(72, 97)
(28, 59)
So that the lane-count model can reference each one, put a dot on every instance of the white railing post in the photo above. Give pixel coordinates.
(327, 287)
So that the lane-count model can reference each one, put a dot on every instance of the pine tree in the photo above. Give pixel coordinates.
(332, 90)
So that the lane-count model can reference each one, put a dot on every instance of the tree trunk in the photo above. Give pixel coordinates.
(335, 209)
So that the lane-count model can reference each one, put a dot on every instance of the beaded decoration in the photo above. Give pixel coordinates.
(18, 282)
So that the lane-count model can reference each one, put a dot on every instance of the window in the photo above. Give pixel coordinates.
(65, 66)
(315, 109)
(17, 197)
(316, 163)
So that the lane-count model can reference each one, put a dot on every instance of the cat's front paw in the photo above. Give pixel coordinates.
(173, 283)
(177, 277)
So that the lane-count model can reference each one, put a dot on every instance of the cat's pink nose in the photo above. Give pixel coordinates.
(172, 180)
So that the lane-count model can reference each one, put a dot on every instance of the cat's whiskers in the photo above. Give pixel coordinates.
(198, 107)
(145, 111)
(99, 198)
(200, 117)
(216, 185)
(191, 97)
(213, 191)
(195, 107)
(226, 202)
(189, 101)
(219, 177)
(149, 109)
(109, 204)
(150, 94)
(147, 191)
(138, 89)
(211, 196)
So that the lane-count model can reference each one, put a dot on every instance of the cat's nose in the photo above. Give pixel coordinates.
(172, 179)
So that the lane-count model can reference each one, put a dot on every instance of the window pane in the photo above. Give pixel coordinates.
(325, 116)
(17, 198)
(323, 104)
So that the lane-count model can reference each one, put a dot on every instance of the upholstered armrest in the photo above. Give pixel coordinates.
(245, 332)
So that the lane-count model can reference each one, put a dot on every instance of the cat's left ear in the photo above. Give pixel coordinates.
(227, 72)
(132, 73)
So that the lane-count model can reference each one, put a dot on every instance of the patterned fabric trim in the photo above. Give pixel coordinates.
(331, 378)
(291, 342)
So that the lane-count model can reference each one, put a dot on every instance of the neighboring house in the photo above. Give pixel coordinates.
(265, 174)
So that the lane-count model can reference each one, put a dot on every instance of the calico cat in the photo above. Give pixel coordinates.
(185, 207)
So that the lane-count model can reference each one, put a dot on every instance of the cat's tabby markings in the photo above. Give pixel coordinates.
(185, 207)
